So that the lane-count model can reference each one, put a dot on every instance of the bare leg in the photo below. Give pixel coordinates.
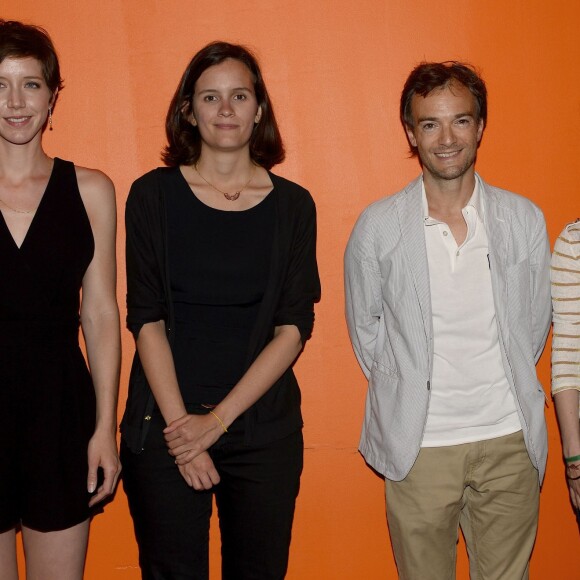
(56, 555)
(8, 566)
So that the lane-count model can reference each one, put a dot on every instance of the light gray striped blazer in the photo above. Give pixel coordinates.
(388, 311)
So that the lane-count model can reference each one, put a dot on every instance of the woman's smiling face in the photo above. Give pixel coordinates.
(24, 100)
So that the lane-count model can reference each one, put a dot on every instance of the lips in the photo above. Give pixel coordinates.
(16, 121)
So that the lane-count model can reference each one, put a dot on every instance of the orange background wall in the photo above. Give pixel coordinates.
(335, 69)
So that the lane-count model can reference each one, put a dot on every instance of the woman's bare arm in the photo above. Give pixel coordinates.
(100, 325)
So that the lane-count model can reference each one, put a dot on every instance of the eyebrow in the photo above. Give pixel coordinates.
(27, 78)
(248, 90)
(458, 116)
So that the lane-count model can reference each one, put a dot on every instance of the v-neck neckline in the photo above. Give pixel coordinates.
(41, 203)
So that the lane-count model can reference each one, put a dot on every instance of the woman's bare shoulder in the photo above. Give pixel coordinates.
(93, 181)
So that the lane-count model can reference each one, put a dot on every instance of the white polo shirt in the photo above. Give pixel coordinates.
(470, 396)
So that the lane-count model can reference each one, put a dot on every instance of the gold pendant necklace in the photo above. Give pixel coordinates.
(23, 211)
(228, 196)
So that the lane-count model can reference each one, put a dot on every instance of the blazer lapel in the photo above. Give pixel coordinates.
(410, 213)
(497, 225)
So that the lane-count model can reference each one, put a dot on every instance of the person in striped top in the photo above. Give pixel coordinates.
(565, 274)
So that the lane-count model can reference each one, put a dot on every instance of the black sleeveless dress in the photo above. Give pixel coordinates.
(47, 400)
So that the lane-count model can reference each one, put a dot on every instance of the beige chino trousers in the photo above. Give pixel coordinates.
(488, 488)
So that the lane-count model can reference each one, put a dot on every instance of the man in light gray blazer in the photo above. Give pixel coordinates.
(448, 309)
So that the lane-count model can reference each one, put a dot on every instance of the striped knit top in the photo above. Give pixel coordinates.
(565, 276)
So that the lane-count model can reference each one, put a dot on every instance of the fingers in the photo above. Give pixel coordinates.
(180, 431)
(213, 475)
(94, 461)
(107, 487)
(206, 480)
(575, 493)
(201, 481)
(180, 434)
(189, 429)
(186, 476)
(111, 474)
(200, 473)
(172, 435)
(177, 423)
(99, 496)
(92, 478)
(176, 447)
(176, 450)
(188, 437)
(186, 456)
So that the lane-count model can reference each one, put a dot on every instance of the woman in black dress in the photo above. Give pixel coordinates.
(57, 235)
(222, 278)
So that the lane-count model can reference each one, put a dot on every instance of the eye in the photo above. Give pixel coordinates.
(240, 97)
(463, 122)
(428, 126)
(210, 98)
(32, 85)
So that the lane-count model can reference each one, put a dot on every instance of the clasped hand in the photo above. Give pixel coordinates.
(191, 435)
(200, 473)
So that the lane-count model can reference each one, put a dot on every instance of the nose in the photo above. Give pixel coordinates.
(447, 136)
(15, 98)
(226, 109)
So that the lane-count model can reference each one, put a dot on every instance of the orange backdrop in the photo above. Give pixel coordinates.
(335, 69)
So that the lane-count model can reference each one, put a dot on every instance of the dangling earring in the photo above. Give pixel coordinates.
(50, 118)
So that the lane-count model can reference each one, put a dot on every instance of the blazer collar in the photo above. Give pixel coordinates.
(497, 225)
(410, 214)
(496, 219)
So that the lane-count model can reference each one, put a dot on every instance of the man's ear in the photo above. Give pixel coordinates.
(411, 135)
(480, 128)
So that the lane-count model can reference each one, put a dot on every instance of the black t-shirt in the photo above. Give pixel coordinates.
(219, 265)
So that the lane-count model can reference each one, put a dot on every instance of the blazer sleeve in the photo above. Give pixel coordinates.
(301, 285)
(145, 295)
(540, 272)
(362, 292)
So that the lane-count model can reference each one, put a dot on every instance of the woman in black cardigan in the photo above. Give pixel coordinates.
(222, 278)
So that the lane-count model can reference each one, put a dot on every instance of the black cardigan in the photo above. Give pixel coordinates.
(293, 287)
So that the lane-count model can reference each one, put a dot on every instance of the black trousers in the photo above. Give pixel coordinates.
(255, 500)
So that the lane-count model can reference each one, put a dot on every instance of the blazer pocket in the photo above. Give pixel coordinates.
(524, 263)
(543, 393)
(389, 372)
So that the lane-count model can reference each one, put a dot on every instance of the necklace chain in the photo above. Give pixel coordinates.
(22, 211)
(228, 196)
